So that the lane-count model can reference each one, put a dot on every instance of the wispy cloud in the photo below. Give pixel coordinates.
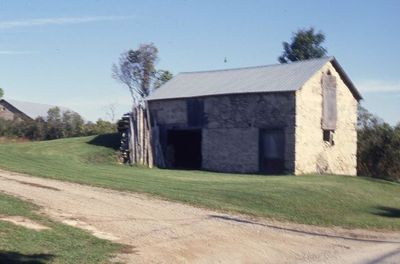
(378, 86)
(58, 21)
(99, 107)
(17, 52)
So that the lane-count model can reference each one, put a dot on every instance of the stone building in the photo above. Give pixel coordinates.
(295, 118)
(19, 110)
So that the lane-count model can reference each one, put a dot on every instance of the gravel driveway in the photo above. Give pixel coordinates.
(159, 231)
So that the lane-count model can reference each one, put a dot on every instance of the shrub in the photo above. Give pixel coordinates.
(378, 153)
(56, 125)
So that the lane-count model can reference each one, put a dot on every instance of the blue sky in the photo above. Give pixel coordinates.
(61, 52)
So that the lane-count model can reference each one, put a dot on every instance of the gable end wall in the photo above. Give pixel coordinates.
(6, 112)
(312, 154)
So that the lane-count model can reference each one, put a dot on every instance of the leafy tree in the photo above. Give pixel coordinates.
(136, 69)
(366, 119)
(379, 152)
(305, 44)
(54, 124)
(66, 124)
(378, 147)
(39, 130)
(1, 92)
(100, 127)
(162, 77)
(77, 125)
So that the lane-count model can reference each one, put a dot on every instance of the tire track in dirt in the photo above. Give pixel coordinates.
(158, 231)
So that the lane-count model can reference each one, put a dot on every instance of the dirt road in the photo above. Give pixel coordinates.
(166, 232)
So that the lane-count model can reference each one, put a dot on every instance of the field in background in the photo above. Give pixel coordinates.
(352, 202)
(12, 140)
(58, 244)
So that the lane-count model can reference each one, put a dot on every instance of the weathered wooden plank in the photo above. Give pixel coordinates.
(329, 109)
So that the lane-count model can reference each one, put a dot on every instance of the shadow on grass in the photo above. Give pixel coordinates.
(242, 221)
(11, 257)
(388, 212)
(107, 140)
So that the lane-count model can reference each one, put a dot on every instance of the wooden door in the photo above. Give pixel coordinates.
(272, 151)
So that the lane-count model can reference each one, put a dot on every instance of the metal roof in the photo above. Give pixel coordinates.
(33, 110)
(261, 79)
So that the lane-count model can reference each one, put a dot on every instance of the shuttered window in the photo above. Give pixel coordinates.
(195, 112)
(329, 109)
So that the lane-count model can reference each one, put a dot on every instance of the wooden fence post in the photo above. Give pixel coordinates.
(143, 150)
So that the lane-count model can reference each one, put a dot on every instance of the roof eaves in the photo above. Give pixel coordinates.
(16, 109)
(218, 94)
(346, 79)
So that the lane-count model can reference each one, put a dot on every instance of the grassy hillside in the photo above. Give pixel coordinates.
(59, 244)
(321, 200)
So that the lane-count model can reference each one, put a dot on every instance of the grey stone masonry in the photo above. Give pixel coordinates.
(230, 131)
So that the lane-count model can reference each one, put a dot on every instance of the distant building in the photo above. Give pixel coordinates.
(293, 118)
(13, 109)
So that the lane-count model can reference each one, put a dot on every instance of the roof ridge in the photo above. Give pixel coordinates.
(269, 78)
(28, 102)
(328, 58)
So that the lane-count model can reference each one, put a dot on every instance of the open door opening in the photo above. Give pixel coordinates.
(272, 151)
(184, 149)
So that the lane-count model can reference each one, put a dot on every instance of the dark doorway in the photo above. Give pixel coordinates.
(272, 151)
(184, 149)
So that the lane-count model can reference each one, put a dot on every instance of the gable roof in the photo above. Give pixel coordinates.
(32, 110)
(261, 79)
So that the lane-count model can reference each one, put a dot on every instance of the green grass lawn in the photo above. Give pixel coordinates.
(353, 202)
(59, 244)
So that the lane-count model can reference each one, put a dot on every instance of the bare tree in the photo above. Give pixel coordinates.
(136, 69)
(110, 111)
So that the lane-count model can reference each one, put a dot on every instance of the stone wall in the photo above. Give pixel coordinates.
(230, 134)
(169, 112)
(313, 154)
(230, 149)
